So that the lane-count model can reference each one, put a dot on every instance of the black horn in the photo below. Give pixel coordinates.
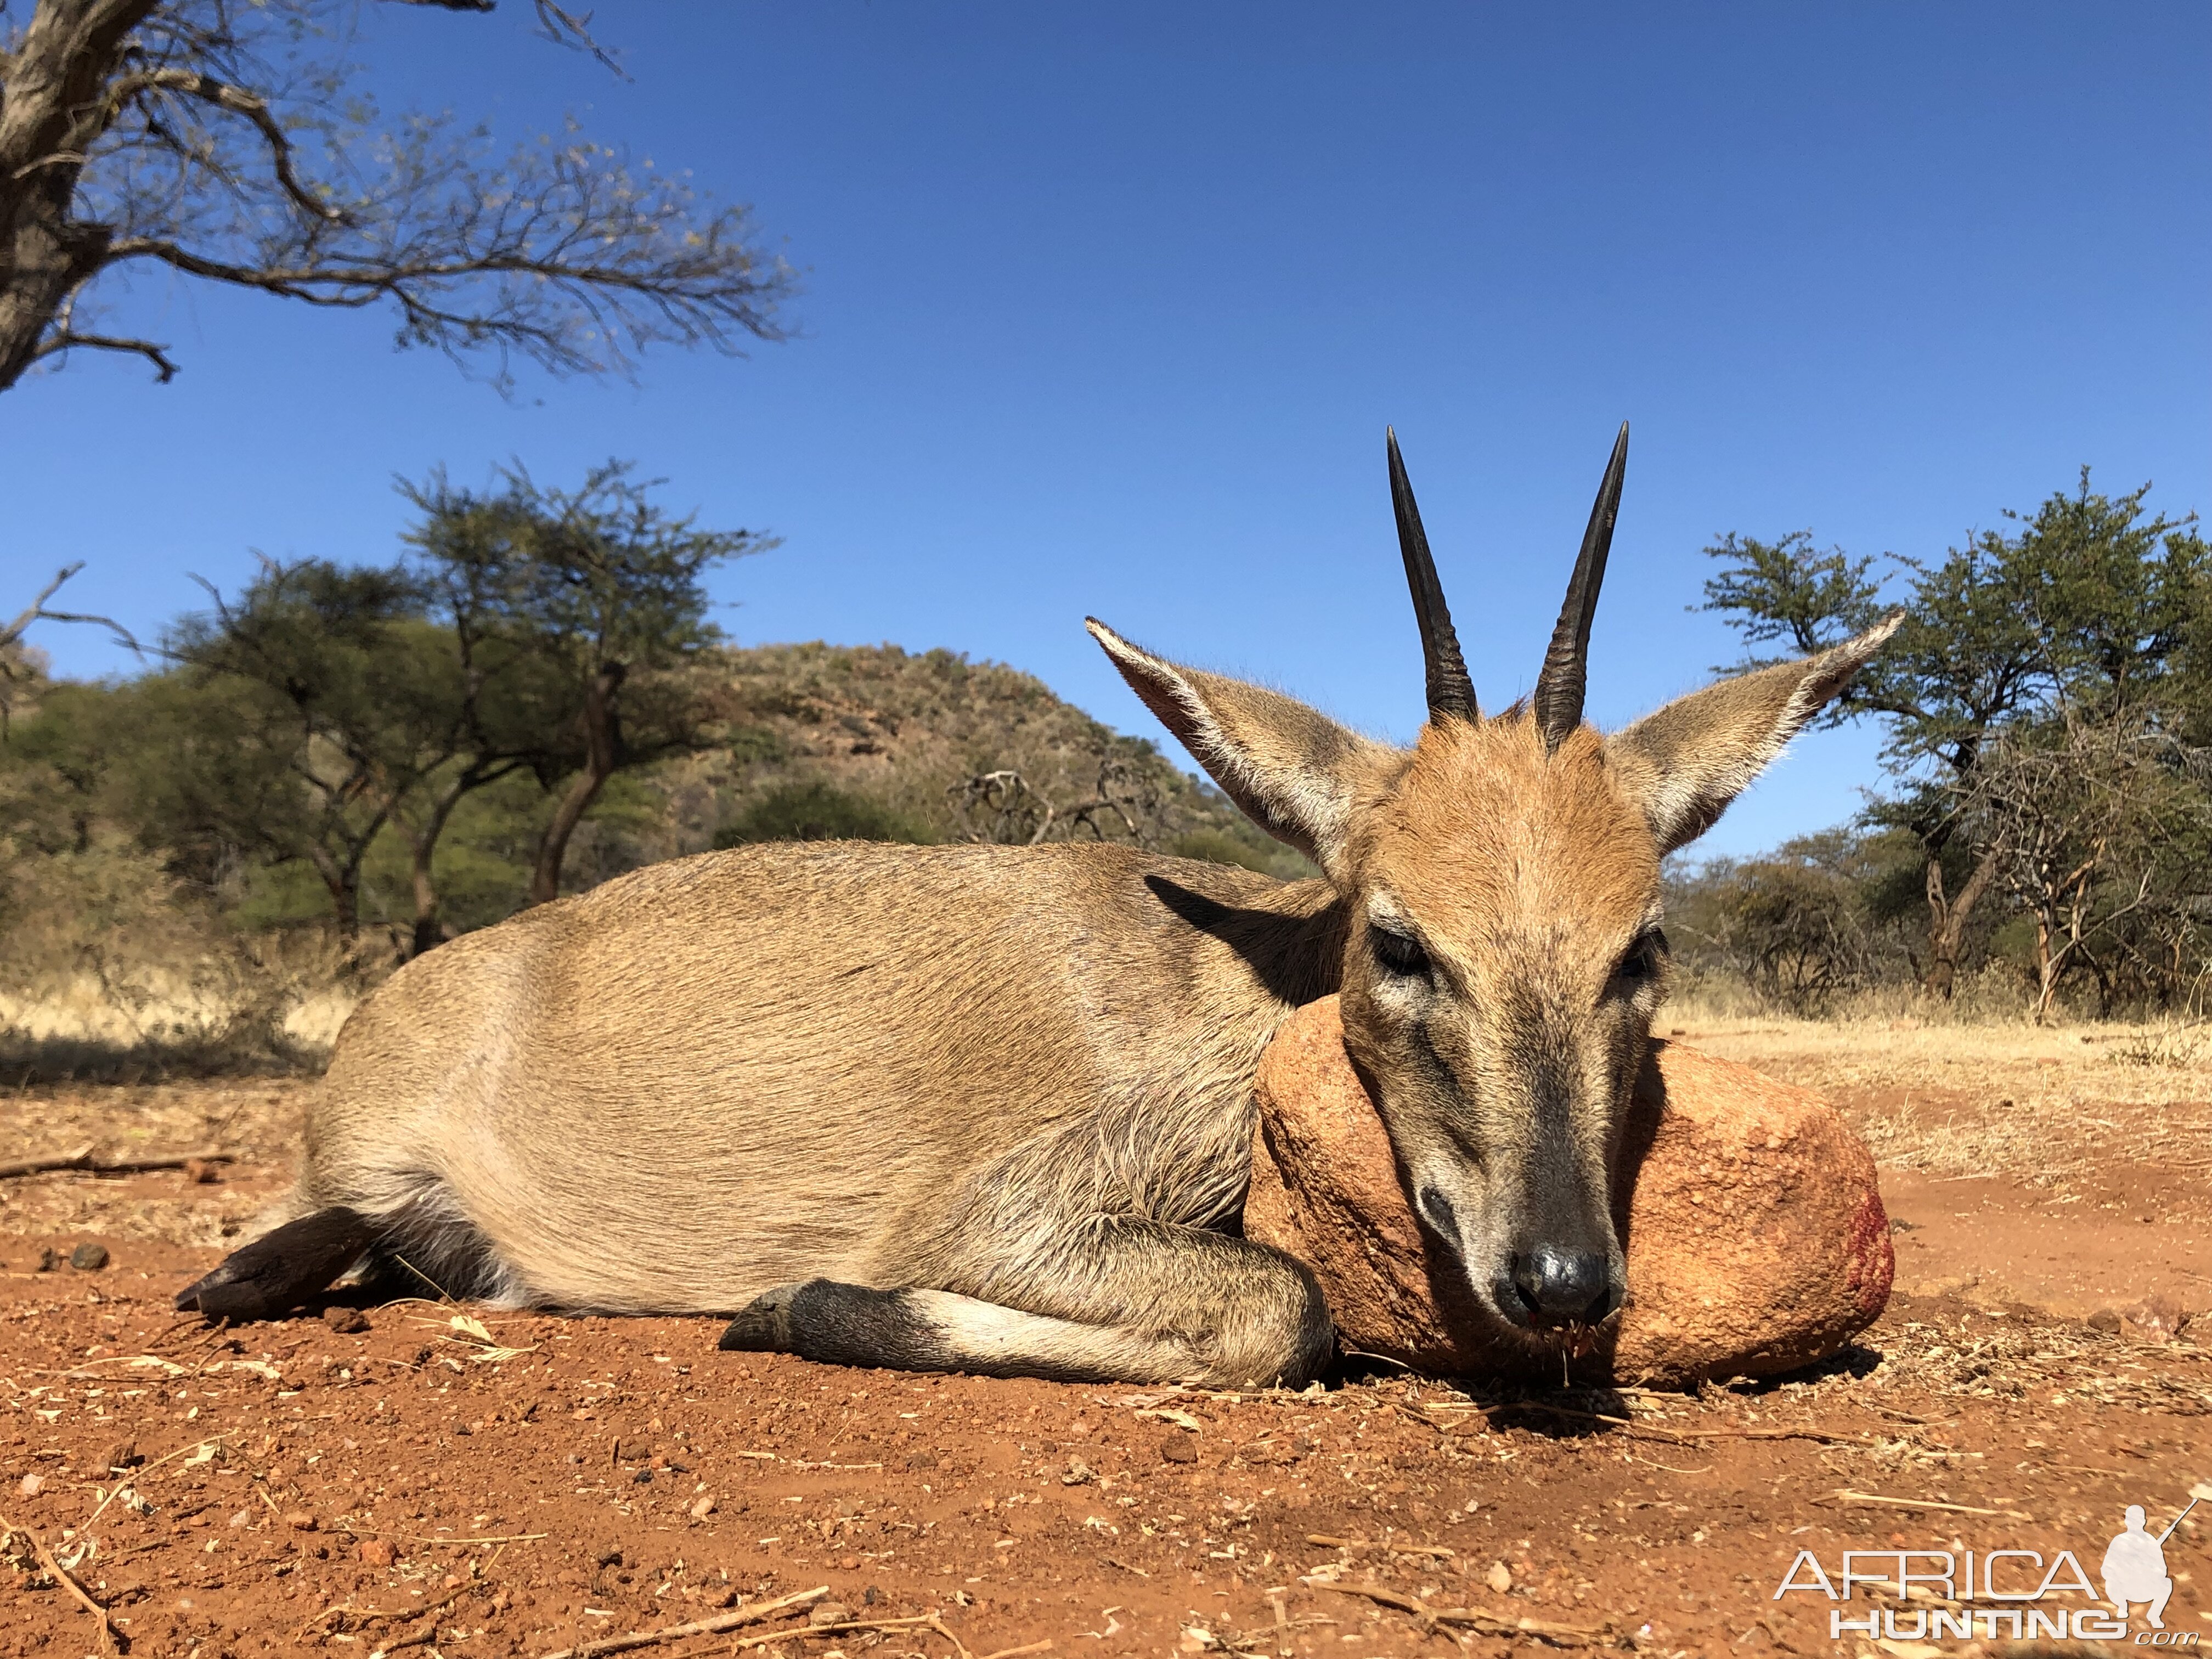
(1450, 692)
(1558, 701)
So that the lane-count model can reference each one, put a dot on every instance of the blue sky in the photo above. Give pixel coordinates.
(1105, 309)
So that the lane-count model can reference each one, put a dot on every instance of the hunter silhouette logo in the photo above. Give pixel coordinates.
(2135, 1566)
(2017, 1594)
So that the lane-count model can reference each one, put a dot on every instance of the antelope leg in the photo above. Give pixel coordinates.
(280, 1269)
(1225, 1309)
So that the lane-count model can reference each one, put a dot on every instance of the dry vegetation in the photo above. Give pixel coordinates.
(116, 967)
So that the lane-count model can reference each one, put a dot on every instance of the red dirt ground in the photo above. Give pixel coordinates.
(413, 1487)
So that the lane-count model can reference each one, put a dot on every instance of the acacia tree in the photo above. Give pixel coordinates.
(229, 140)
(2081, 818)
(322, 646)
(589, 605)
(2089, 600)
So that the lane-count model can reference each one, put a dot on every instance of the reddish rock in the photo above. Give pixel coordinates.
(1756, 1238)
(378, 1553)
(2157, 1318)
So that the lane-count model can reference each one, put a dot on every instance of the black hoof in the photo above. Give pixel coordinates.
(273, 1274)
(764, 1324)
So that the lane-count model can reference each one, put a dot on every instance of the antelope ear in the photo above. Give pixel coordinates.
(1295, 772)
(1685, 763)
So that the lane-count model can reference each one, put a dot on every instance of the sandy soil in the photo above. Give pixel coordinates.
(527, 1484)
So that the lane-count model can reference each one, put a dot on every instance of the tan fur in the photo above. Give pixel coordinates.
(990, 1107)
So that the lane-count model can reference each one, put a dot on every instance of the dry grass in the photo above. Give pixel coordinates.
(112, 971)
(1959, 1099)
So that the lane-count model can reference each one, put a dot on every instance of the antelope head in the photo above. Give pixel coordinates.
(1503, 957)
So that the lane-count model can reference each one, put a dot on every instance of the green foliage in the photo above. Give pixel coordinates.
(1800, 925)
(816, 810)
(2085, 630)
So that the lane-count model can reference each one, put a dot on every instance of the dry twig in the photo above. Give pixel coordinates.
(83, 1159)
(110, 1639)
(1559, 1635)
(714, 1626)
(1327, 1542)
(1851, 1496)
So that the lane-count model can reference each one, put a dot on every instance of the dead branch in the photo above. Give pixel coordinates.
(929, 1621)
(37, 612)
(1558, 1635)
(69, 339)
(83, 1159)
(714, 1626)
(110, 1637)
(238, 101)
(1327, 1542)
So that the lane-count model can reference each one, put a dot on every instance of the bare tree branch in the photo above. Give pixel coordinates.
(228, 140)
(53, 344)
(222, 95)
(568, 28)
(37, 612)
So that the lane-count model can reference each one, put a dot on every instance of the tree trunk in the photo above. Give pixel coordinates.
(430, 931)
(2046, 971)
(56, 87)
(602, 749)
(1947, 922)
(342, 880)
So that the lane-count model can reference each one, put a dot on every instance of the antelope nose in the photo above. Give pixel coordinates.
(1564, 1287)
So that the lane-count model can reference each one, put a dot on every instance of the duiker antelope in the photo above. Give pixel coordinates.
(989, 1108)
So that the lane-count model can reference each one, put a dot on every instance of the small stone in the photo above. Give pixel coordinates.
(202, 1172)
(703, 1508)
(1079, 1474)
(642, 1478)
(609, 1555)
(2157, 1318)
(300, 1521)
(88, 1258)
(851, 1564)
(243, 1517)
(2106, 1319)
(49, 1259)
(631, 1450)
(123, 1455)
(828, 1613)
(31, 1485)
(1498, 1578)
(346, 1321)
(378, 1553)
(1179, 1448)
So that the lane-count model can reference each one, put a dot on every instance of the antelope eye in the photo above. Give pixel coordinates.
(1399, 953)
(1645, 957)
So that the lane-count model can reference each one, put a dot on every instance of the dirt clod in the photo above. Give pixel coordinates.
(828, 1613)
(2156, 1318)
(378, 1553)
(299, 1520)
(1499, 1579)
(1179, 1448)
(2106, 1319)
(345, 1321)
